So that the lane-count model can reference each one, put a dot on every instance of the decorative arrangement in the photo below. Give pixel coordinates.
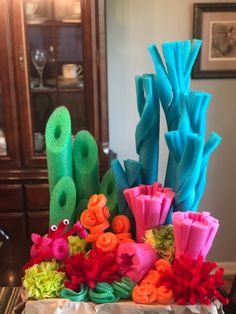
(113, 239)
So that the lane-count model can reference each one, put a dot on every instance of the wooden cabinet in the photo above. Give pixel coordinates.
(52, 53)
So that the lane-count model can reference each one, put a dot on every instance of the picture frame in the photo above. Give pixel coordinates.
(215, 25)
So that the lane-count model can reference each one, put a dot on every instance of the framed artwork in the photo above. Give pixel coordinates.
(215, 24)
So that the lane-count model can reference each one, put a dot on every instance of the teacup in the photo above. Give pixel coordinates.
(71, 71)
(30, 8)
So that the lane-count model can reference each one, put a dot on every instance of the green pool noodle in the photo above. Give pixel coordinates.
(108, 188)
(62, 202)
(82, 205)
(58, 146)
(86, 169)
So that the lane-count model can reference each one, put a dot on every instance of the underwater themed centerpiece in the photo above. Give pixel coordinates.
(128, 239)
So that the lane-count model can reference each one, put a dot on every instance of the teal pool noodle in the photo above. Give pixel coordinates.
(108, 188)
(133, 172)
(86, 168)
(58, 146)
(211, 144)
(147, 130)
(62, 202)
(122, 184)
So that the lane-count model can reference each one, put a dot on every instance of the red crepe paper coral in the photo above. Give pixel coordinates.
(193, 281)
(98, 266)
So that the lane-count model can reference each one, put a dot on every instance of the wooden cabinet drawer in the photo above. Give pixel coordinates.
(11, 197)
(37, 196)
(13, 253)
(38, 222)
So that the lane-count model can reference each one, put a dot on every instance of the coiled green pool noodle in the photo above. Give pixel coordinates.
(62, 202)
(102, 293)
(58, 146)
(108, 188)
(123, 289)
(75, 296)
(85, 160)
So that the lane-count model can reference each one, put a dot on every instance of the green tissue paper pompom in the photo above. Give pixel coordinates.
(43, 280)
(162, 240)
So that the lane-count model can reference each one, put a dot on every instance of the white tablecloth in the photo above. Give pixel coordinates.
(62, 306)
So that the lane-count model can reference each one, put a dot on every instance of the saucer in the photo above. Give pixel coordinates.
(65, 83)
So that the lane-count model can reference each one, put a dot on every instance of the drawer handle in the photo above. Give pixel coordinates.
(21, 58)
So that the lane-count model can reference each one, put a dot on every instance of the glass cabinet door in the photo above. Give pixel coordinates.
(3, 142)
(55, 59)
(9, 147)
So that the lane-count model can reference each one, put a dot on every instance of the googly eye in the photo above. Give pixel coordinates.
(66, 222)
(53, 227)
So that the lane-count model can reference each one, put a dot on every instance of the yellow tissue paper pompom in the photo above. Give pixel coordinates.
(76, 245)
(43, 280)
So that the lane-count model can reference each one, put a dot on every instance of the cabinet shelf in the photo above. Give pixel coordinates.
(52, 23)
(56, 90)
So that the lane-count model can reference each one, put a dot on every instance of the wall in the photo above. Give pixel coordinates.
(131, 26)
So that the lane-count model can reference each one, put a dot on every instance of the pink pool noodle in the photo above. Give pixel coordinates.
(150, 205)
(135, 260)
(194, 233)
(197, 237)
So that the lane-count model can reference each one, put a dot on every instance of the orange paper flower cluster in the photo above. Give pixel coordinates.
(151, 290)
(95, 218)
(121, 227)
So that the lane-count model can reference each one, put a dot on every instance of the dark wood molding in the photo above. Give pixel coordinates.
(8, 90)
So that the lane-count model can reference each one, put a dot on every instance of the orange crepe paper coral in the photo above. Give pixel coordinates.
(100, 227)
(107, 242)
(102, 213)
(162, 265)
(127, 240)
(120, 224)
(97, 201)
(144, 294)
(152, 278)
(88, 219)
(164, 295)
(95, 217)
(124, 235)
(92, 237)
